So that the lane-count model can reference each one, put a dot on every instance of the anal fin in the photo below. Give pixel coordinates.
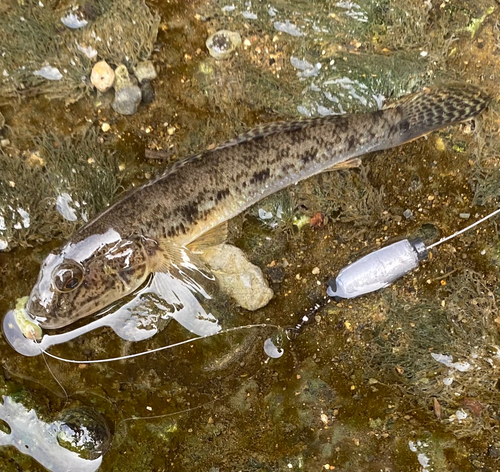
(352, 163)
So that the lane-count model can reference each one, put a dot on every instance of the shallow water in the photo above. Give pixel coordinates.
(367, 385)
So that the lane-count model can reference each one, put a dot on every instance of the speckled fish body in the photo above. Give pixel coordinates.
(202, 191)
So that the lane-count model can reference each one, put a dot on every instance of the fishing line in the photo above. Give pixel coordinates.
(478, 222)
(187, 410)
(143, 353)
(54, 377)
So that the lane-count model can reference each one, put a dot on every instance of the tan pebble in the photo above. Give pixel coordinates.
(102, 76)
(315, 271)
(105, 127)
(171, 130)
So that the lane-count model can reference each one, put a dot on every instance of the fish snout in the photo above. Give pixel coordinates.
(35, 308)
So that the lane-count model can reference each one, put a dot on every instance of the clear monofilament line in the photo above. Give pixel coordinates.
(169, 346)
(478, 222)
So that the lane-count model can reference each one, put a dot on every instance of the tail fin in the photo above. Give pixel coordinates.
(438, 107)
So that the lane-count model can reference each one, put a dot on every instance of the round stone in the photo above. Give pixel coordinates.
(84, 431)
(145, 70)
(127, 100)
(102, 76)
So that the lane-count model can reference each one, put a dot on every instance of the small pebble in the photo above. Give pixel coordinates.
(223, 43)
(127, 93)
(105, 127)
(122, 77)
(4, 142)
(315, 271)
(102, 76)
(127, 100)
(408, 214)
(145, 70)
(148, 92)
(464, 216)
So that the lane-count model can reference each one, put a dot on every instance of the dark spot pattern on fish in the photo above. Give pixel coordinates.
(205, 190)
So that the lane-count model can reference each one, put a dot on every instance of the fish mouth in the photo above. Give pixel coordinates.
(34, 310)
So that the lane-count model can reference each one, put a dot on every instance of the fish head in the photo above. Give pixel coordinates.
(87, 276)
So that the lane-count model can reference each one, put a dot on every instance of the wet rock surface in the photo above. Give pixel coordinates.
(83, 431)
(238, 277)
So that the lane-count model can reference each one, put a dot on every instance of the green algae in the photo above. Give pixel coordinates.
(84, 168)
(32, 35)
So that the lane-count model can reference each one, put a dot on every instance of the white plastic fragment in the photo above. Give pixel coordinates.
(423, 460)
(287, 27)
(307, 69)
(89, 51)
(448, 362)
(272, 12)
(25, 216)
(63, 207)
(249, 15)
(73, 21)
(48, 72)
(265, 215)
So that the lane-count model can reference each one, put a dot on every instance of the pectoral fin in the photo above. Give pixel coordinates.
(180, 294)
(187, 285)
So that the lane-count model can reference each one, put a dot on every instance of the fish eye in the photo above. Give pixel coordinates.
(67, 276)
